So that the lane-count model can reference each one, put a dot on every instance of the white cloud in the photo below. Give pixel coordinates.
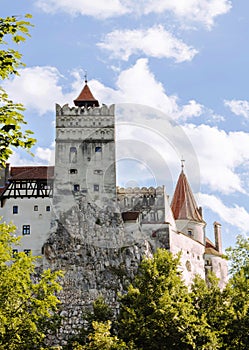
(154, 42)
(238, 107)
(41, 156)
(236, 215)
(96, 8)
(220, 156)
(192, 10)
(192, 109)
(201, 11)
(137, 84)
(45, 154)
(39, 88)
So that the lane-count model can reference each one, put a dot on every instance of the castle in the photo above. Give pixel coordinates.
(79, 195)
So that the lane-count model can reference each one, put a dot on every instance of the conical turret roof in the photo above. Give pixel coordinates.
(183, 204)
(85, 98)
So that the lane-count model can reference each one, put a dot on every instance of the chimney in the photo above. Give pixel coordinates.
(217, 235)
(4, 175)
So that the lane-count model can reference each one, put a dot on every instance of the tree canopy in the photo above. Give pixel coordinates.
(15, 30)
(27, 301)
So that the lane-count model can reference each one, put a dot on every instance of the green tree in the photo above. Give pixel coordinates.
(27, 301)
(157, 312)
(237, 305)
(11, 117)
(100, 313)
(239, 255)
(101, 339)
(211, 305)
(236, 336)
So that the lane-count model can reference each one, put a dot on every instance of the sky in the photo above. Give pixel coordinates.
(177, 72)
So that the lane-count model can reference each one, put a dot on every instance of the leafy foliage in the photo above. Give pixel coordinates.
(239, 255)
(101, 339)
(157, 313)
(11, 117)
(160, 312)
(101, 313)
(27, 306)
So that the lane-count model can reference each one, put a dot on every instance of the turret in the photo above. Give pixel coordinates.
(185, 210)
(85, 98)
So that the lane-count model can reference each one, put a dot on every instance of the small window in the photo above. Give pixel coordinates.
(98, 149)
(27, 251)
(26, 229)
(73, 171)
(35, 207)
(98, 172)
(190, 233)
(76, 188)
(48, 208)
(84, 190)
(73, 155)
(96, 188)
(14, 252)
(15, 209)
(188, 266)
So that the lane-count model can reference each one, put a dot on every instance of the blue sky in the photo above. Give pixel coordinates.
(187, 60)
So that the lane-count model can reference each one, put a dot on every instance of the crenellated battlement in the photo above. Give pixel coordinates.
(66, 110)
(141, 191)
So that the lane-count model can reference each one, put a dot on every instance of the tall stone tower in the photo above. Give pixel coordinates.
(85, 153)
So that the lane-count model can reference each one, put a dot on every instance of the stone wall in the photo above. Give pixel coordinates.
(88, 244)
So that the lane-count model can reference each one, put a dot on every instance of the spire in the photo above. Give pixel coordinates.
(183, 204)
(85, 98)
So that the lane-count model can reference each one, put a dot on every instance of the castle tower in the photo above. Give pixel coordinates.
(186, 213)
(85, 152)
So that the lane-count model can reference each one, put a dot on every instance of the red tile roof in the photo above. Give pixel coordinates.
(183, 204)
(31, 173)
(211, 249)
(86, 98)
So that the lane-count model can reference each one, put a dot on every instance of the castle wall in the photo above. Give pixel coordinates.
(32, 212)
(218, 266)
(85, 155)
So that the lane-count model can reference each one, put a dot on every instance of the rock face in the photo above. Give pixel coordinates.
(88, 244)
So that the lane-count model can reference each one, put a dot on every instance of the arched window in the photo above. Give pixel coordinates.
(73, 155)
